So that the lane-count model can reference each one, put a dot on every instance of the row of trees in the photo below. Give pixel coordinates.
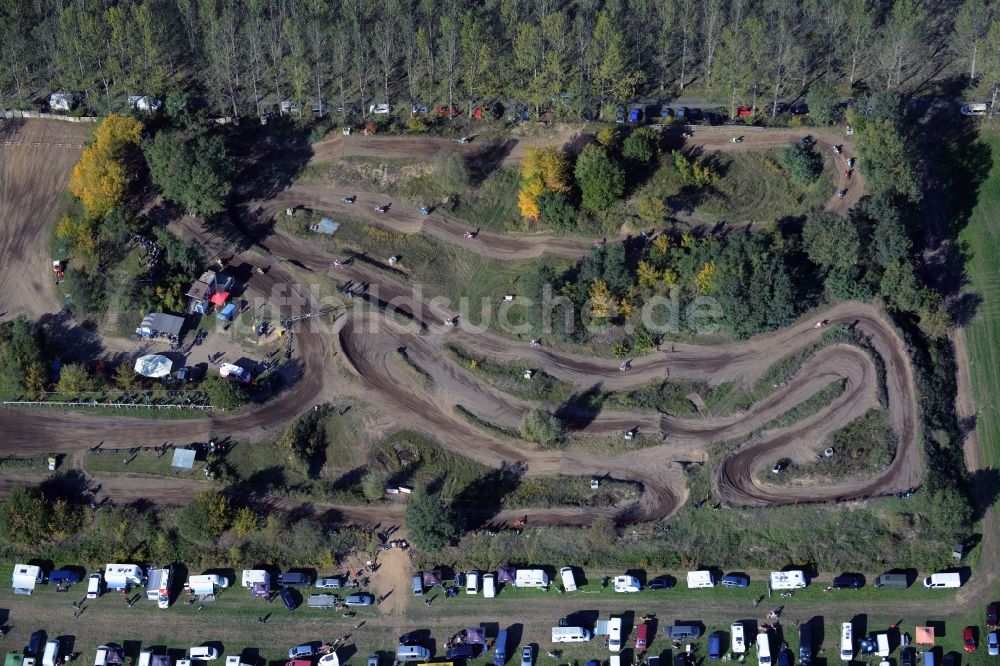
(246, 55)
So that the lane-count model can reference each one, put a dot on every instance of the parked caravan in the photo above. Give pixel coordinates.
(122, 576)
(615, 634)
(207, 584)
(787, 580)
(882, 640)
(943, 580)
(409, 653)
(568, 579)
(25, 577)
(739, 643)
(158, 585)
(764, 649)
(570, 635)
(700, 579)
(847, 642)
(531, 578)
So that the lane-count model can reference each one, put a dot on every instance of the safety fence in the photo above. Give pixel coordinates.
(95, 403)
(18, 113)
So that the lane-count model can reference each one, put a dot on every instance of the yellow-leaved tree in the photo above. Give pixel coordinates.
(648, 276)
(98, 179)
(542, 169)
(703, 280)
(602, 302)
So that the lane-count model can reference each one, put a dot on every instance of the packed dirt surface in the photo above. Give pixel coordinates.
(367, 343)
(35, 160)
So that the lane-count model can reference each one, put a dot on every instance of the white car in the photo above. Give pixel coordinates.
(472, 582)
(204, 653)
(379, 109)
(626, 584)
(992, 648)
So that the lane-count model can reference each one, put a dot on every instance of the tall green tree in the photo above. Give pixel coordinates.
(431, 522)
(972, 25)
(195, 173)
(600, 177)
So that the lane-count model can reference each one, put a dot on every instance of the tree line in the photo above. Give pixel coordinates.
(245, 56)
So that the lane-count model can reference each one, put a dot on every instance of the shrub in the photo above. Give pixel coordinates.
(600, 177)
(802, 163)
(556, 210)
(642, 146)
(431, 523)
(541, 427)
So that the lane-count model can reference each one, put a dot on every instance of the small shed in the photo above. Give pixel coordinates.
(227, 313)
(25, 577)
(157, 324)
(62, 101)
(925, 636)
(325, 226)
(183, 459)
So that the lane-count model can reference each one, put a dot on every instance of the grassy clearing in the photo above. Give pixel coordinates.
(145, 462)
(751, 187)
(864, 447)
(542, 387)
(981, 240)
(809, 406)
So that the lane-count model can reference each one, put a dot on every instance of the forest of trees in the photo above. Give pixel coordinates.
(244, 56)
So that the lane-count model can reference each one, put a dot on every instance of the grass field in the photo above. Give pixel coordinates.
(981, 240)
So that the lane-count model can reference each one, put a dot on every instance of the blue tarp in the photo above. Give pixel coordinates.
(227, 313)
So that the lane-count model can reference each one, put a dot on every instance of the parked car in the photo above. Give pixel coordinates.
(715, 645)
(907, 657)
(300, 651)
(418, 109)
(992, 647)
(331, 583)
(642, 636)
(682, 631)
(288, 598)
(359, 600)
(991, 615)
(950, 659)
(379, 109)
(969, 639)
(694, 114)
(459, 652)
(410, 638)
(294, 579)
(527, 654)
(35, 643)
(848, 581)
(373, 659)
(799, 109)
(620, 114)
(661, 583)
(204, 653)
(736, 580)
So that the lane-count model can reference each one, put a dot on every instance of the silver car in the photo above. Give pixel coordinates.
(992, 647)
(328, 583)
(526, 655)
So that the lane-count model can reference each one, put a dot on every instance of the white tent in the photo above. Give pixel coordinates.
(153, 365)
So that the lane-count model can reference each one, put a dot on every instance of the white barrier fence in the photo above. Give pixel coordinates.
(18, 113)
(95, 403)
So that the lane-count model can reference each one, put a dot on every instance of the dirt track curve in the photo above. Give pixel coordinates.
(368, 342)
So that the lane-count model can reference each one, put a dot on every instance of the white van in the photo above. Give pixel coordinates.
(531, 578)
(489, 586)
(146, 657)
(51, 654)
(700, 579)
(943, 580)
(203, 653)
(882, 640)
(94, 585)
(787, 580)
(412, 653)
(570, 635)
(974, 109)
(568, 579)
(846, 642)
(615, 634)
(764, 649)
(739, 643)
(472, 582)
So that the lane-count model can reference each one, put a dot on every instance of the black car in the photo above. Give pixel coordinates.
(950, 659)
(620, 114)
(695, 114)
(661, 583)
(736, 580)
(681, 659)
(288, 598)
(799, 109)
(848, 581)
(35, 643)
(805, 644)
(907, 657)
(991, 615)
(410, 638)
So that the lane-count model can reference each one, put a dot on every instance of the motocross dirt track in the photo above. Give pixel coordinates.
(35, 160)
(369, 340)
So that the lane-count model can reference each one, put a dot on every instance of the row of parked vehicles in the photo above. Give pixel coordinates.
(489, 582)
(638, 114)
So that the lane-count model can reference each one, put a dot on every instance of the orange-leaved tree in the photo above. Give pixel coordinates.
(98, 179)
(542, 169)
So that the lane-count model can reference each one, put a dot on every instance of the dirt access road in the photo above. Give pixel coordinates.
(35, 160)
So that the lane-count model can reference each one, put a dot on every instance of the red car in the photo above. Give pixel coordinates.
(742, 111)
(991, 615)
(642, 636)
(969, 639)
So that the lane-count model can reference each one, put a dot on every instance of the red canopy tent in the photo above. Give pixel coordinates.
(925, 635)
(219, 298)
